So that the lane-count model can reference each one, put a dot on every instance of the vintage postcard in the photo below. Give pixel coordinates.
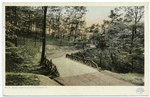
(80, 48)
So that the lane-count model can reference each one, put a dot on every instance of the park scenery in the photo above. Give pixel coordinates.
(74, 45)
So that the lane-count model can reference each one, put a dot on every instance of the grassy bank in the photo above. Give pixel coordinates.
(135, 78)
(26, 50)
(19, 79)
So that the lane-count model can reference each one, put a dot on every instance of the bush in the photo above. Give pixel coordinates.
(13, 55)
(120, 62)
(80, 54)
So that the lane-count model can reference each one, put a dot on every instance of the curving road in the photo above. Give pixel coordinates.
(73, 73)
(67, 67)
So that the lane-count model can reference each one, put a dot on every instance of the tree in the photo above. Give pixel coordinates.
(74, 17)
(99, 38)
(122, 36)
(132, 17)
(134, 14)
(12, 19)
(43, 35)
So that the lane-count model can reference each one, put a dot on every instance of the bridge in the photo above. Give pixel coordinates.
(74, 73)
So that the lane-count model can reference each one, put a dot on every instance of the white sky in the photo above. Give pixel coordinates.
(96, 14)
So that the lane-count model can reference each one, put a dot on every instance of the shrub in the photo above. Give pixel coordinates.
(13, 53)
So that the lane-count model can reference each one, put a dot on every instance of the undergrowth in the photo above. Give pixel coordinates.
(13, 79)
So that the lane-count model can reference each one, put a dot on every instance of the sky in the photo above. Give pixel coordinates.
(96, 14)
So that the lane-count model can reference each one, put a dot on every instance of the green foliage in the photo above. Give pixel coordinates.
(13, 79)
(80, 54)
(123, 40)
(13, 54)
(17, 58)
(10, 30)
(50, 40)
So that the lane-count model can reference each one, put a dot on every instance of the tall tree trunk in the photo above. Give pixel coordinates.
(28, 26)
(101, 58)
(61, 40)
(81, 37)
(16, 26)
(35, 37)
(24, 38)
(74, 38)
(133, 36)
(75, 35)
(63, 35)
(43, 35)
(49, 27)
(49, 30)
(68, 37)
(25, 34)
(131, 49)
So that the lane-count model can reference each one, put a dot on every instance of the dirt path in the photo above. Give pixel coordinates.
(92, 79)
(67, 67)
(73, 73)
(53, 51)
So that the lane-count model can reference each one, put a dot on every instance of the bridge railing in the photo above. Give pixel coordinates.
(84, 61)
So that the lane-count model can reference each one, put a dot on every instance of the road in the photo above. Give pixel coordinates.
(73, 73)
(67, 67)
